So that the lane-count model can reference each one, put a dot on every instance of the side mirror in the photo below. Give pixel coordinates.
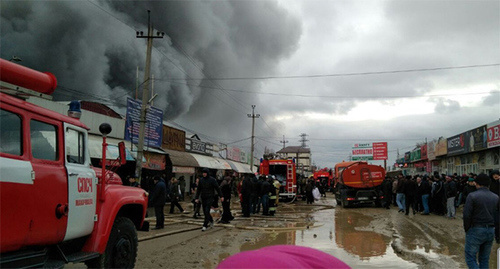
(123, 155)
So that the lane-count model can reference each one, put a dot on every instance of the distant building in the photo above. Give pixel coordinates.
(302, 155)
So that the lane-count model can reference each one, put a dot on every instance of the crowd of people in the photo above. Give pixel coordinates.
(430, 194)
(442, 195)
(256, 195)
(419, 194)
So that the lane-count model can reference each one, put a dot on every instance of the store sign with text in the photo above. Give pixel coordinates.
(493, 134)
(173, 139)
(458, 144)
(369, 151)
(154, 124)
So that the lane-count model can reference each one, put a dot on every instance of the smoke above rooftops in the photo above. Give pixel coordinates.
(91, 47)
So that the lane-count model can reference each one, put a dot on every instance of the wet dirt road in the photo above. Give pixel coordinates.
(363, 237)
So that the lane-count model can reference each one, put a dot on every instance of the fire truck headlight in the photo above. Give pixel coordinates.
(353, 172)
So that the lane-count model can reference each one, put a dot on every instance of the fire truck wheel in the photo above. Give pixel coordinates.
(121, 249)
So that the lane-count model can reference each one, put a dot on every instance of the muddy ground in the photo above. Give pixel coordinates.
(363, 237)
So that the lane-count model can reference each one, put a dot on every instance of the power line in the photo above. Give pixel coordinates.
(356, 73)
(344, 96)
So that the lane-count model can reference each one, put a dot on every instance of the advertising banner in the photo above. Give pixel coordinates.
(407, 156)
(415, 155)
(441, 147)
(154, 161)
(173, 139)
(154, 124)
(458, 144)
(493, 134)
(431, 154)
(380, 151)
(362, 152)
(233, 154)
(423, 152)
(369, 151)
(478, 139)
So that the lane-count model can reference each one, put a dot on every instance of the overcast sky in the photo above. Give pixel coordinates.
(343, 72)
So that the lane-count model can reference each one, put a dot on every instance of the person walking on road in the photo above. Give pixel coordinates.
(450, 189)
(387, 191)
(225, 187)
(400, 195)
(480, 217)
(196, 206)
(175, 195)
(206, 191)
(410, 192)
(158, 199)
(246, 196)
(424, 192)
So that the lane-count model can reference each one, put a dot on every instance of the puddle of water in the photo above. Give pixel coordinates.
(338, 237)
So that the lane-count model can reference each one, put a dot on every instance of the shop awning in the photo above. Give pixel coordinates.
(95, 148)
(241, 168)
(181, 158)
(211, 162)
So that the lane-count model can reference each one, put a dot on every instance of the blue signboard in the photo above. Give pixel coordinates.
(154, 124)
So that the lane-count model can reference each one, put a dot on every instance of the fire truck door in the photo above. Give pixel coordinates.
(82, 183)
(49, 190)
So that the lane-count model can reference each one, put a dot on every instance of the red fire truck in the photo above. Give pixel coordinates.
(324, 175)
(55, 208)
(358, 183)
(284, 171)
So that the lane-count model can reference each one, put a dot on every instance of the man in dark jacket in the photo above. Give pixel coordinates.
(206, 191)
(158, 199)
(410, 192)
(424, 190)
(246, 196)
(387, 190)
(225, 188)
(175, 195)
(480, 217)
(450, 189)
(265, 189)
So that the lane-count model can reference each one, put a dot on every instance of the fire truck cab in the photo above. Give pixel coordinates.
(54, 208)
(284, 171)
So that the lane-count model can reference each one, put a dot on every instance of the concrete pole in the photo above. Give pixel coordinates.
(253, 116)
(145, 97)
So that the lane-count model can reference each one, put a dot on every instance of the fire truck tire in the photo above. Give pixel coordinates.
(121, 250)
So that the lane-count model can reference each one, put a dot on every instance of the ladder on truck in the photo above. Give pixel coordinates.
(289, 175)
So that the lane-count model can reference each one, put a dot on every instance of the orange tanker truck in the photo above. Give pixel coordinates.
(358, 183)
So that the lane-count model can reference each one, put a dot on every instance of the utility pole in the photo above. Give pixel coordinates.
(253, 116)
(284, 141)
(145, 94)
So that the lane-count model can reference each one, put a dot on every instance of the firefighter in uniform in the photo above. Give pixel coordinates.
(273, 199)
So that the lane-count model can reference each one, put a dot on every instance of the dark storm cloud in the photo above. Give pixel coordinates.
(94, 51)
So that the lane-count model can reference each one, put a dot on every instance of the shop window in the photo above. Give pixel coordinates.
(43, 140)
(10, 133)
